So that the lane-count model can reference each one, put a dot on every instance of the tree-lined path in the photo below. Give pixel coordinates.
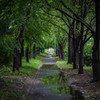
(28, 28)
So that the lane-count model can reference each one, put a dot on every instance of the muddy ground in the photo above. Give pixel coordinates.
(83, 82)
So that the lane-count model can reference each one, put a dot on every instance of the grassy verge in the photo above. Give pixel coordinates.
(12, 84)
(63, 64)
(29, 68)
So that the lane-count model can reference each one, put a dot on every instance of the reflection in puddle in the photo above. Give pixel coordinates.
(53, 85)
(58, 82)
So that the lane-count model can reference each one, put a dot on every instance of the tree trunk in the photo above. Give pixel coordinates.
(34, 51)
(59, 51)
(70, 49)
(75, 59)
(16, 60)
(81, 58)
(62, 52)
(27, 54)
(96, 47)
(22, 53)
(81, 61)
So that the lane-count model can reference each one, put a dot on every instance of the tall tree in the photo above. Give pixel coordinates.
(96, 47)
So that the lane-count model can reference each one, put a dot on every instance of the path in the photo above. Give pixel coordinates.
(49, 83)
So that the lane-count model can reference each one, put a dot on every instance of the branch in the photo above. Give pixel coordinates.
(57, 26)
(79, 20)
(88, 39)
(59, 18)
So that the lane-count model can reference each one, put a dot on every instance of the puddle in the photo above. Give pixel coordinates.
(56, 84)
(49, 67)
(53, 85)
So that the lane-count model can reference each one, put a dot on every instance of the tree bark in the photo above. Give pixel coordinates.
(75, 59)
(70, 49)
(16, 60)
(62, 52)
(81, 60)
(59, 51)
(96, 47)
(21, 53)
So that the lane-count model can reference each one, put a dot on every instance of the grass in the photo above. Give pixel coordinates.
(33, 63)
(63, 64)
(29, 68)
(26, 69)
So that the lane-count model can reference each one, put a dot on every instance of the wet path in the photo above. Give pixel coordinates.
(51, 84)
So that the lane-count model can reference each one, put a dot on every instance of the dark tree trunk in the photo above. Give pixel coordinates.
(34, 51)
(56, 52)
(61, 52)
(16, 60)
(27, 54)
(96, 47)
(81, 58)
(75, 47)
(75, 59)
(70, 49)
(81, 61)
(22, 53)
(22, 48)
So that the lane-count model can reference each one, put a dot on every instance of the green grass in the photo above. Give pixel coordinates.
(26, 69)
(33, 63)
(29, 68)
(88, 67)
(63, 64)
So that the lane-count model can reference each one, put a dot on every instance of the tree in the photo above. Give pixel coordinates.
(96, 47)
